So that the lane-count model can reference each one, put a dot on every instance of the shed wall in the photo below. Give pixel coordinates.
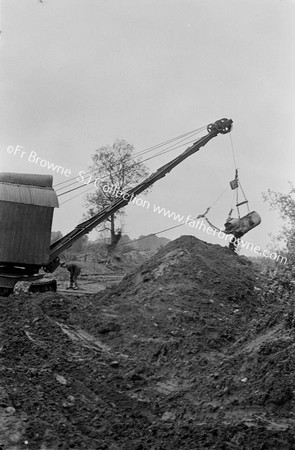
(25, 232)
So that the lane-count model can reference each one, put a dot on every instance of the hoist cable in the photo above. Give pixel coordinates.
(245, 197)
(162, 231)
(239, 184)
(218, 198)
(78, 195)
(237, 199)
(208, 209)
(232, 202)
(149, 149)
(135, 164)
(233, 151)
(130, 168)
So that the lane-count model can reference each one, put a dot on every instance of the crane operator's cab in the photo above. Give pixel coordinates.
(27, 203)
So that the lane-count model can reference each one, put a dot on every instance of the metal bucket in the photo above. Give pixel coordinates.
(243, 225)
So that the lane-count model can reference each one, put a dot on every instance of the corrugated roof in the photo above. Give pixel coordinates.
(26, 178)
(30, 195)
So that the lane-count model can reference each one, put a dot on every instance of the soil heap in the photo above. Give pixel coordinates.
(182, 354)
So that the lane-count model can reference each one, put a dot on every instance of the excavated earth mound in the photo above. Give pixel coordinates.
(182, 354)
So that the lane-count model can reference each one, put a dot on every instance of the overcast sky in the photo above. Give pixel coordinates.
(76, 75)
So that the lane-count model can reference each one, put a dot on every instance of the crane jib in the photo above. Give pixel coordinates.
(221, 126)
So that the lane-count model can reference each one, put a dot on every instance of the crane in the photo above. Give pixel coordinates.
(28, 200)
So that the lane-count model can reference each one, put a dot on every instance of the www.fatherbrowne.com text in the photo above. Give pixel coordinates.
(33, 158)
(197, 224)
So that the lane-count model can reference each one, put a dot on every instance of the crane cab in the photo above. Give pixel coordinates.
(27, 203)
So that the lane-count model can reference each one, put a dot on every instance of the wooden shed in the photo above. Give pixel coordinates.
(26, 211)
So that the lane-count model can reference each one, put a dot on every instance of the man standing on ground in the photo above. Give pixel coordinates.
(75, 271)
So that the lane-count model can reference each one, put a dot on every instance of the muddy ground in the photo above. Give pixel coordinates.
(183, 353)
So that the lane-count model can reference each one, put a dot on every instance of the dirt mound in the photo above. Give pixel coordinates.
(181, 354)
(189, 289)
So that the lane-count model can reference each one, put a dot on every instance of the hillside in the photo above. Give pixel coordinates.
(150, 242)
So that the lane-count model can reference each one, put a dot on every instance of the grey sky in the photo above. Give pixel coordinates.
(76, 75)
